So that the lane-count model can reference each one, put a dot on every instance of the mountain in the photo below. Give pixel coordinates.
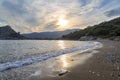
(6, 32)
(109, 29)
(49, 35)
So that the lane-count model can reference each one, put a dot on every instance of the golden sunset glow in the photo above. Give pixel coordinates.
(62, 22)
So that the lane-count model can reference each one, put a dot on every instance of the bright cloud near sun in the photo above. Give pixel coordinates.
(62, 23)
(50, 15)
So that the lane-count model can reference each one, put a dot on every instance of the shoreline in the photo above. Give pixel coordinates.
(105, 65)
(96, 64)
(29, 61)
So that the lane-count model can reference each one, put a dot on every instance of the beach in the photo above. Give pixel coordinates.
(105, 65)
(29, 60)
(101, 63)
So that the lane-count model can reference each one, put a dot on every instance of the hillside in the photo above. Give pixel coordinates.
(6, 32)
(49, 35)
(109, 29)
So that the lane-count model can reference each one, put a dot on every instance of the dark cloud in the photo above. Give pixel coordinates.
(1, 20)
(104, 3)
(50, 26)
(84, 2)
(113, 12)
(33, 21)
(16, 8)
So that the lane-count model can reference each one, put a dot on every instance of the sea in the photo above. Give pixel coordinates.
(23, 59)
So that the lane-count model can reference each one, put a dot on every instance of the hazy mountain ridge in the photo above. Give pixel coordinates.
(109, 29)
(6, 32)
(51, 35)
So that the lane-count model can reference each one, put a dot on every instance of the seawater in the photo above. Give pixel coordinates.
(21, 53)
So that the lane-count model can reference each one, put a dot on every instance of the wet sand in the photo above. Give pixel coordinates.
(104, 65)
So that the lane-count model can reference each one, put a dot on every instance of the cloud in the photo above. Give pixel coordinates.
(51, 26)
(42, 15)
(3, 22)
(113, 12)
(16, 8)
(84, 2)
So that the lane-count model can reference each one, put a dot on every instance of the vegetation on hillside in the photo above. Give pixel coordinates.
(104, 30)
(6, 33)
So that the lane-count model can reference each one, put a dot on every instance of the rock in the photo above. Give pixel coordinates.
(118, 68)
(93, 72)
(72, 59)
(98, 74)
(63, 73)
(90, 71)
(86, 38)
(117, 38)
(119, 75)
(112, 75)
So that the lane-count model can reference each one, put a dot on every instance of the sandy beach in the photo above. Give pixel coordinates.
(97, 64)
(105, 65)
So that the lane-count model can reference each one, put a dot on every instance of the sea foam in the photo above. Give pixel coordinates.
(28, 61)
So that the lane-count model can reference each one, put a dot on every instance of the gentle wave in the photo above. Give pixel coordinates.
(16, 64)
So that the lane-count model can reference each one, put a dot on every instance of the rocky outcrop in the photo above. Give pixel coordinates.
(87, 38)
(6, 32)
(115, 38)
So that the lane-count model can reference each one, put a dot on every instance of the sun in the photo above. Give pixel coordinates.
(62, 22)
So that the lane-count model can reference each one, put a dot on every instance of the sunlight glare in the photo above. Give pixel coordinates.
(61, 44)
(64, 60)
(62, 22)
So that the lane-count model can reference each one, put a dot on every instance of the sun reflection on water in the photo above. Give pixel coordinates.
(61, 44)
(64, 58)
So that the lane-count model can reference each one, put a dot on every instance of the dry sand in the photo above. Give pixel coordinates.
(104, 65)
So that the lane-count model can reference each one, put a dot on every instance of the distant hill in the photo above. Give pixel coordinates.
(49, 35)
(6, 32)
(109, 29)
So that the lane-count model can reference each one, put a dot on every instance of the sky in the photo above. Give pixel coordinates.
(28, 16)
